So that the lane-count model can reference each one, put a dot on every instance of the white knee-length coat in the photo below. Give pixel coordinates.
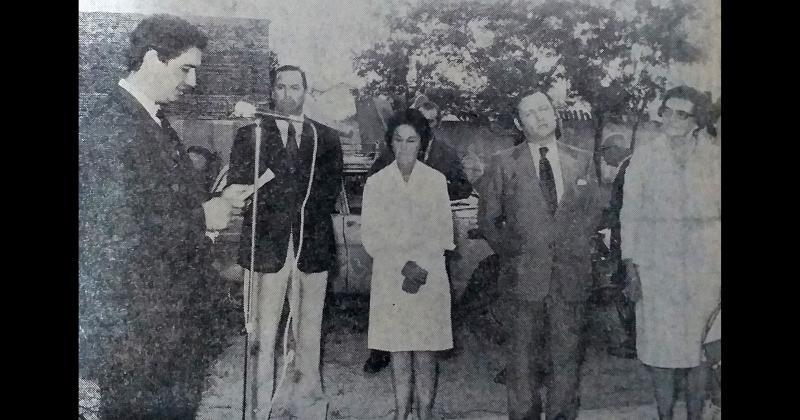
(408, 221)
(671, 228)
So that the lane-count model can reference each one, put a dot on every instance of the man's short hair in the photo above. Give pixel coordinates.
(525, 94)
(424, 103)
(273, 74)
(170, 36)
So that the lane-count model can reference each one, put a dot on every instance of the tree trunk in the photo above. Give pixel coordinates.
(597, 117)
(645, 100)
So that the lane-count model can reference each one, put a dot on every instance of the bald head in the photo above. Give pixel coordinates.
(616, 147)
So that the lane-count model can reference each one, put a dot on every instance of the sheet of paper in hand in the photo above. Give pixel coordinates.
(222, 180)
(267, 176)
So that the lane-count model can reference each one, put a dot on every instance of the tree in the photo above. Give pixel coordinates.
(617, 63)
(476, 58)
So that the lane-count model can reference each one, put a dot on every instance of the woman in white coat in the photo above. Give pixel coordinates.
(406, 227)
(671, 230)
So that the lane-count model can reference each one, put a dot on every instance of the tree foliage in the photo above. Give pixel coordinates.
(475, 57)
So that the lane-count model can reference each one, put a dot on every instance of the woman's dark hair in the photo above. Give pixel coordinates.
(170, 36)
(415, 119)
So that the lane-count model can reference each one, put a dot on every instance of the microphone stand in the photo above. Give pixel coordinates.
(259, 114)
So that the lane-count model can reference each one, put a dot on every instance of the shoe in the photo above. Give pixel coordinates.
(623, 352)
(448, 354)
(377, 362)
(500, 378)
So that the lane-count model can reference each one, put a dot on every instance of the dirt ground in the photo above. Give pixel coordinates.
(466, 386)
(611, 387)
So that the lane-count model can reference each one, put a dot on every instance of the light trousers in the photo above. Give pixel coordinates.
(269, 291)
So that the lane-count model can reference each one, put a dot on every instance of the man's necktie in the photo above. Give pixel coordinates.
(172, 135)
(291, 147)
(547, 181)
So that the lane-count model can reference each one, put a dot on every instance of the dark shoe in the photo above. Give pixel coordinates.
(500, 378)
(448, 354)
(376, 362)
(623, 352)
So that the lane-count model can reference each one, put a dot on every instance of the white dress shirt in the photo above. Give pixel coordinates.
(555, 163)
(283, 127)
(149, 105)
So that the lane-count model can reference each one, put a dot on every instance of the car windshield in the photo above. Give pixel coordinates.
(354, 188)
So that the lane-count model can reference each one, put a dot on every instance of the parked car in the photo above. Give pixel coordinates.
(352, 272)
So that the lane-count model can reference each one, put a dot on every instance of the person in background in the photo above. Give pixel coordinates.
(207, 164)
(616, 155)
(671, 231)
(438, 155)
(146, 314)
(406, 227)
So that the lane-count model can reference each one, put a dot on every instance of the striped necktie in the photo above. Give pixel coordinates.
(547, 181)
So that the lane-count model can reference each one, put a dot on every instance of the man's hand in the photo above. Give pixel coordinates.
(633, 290)
(243, 110)
(218, 212)
(236, 194)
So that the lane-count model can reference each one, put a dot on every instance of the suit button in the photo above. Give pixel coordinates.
(175, 187)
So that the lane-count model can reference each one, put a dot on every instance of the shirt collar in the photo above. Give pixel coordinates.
(301, 117)
(149, 105)
(551, 145)
(283, 124)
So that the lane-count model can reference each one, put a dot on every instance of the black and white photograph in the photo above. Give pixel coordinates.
(399, 209)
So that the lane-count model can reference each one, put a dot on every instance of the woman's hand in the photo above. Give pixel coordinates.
(414, 272)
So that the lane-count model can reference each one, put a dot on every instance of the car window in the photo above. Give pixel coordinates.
(354, 188)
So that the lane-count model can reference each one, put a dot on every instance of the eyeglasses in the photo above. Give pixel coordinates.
(681, 114)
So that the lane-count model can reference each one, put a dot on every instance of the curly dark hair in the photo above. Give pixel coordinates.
(170, 36)
(415, 119)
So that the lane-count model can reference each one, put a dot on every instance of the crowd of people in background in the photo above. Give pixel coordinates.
(149, 218)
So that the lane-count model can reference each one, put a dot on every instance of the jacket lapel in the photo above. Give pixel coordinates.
(569, 173)
(305, 150)
(138, 112)
(161, 141)
(306, 147)
(272, 148)
(525, 164)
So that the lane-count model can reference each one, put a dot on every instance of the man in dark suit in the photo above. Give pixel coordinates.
(616, 157)
(145, 271)
(539, 211)
(441, 157)
(289, 214)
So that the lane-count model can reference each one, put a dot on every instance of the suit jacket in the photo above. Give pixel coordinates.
(542, 255)
(143, 251)
(279, 201)
(611, 221)
(443, 159)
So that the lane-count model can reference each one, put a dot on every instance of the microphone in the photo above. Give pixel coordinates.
(247, 110)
